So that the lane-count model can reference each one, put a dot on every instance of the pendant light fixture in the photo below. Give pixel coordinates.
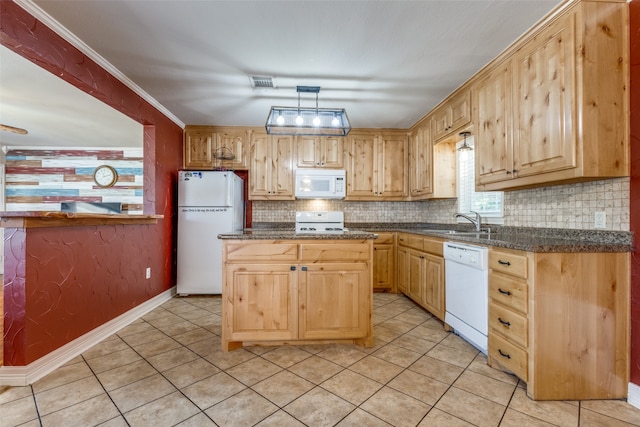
(465, 146)
(307, 120)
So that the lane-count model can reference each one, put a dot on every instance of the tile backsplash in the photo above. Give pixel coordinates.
(570, 206)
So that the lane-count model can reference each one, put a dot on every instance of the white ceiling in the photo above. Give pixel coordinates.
(386, 62)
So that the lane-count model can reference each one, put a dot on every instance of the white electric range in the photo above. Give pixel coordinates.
(320, 222)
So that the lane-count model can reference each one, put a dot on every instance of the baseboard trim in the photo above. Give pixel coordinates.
(25, 375)
(633, 395)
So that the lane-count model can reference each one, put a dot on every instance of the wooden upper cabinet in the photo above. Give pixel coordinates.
(377, 165)
(198, 147)
(271, 176)
(230, 148)
(453, 115)
(421, 164)
(555, 110)
(320, 152)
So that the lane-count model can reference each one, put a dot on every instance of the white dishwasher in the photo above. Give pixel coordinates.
(466, 291)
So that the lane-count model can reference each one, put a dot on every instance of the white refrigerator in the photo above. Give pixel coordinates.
(209, 203)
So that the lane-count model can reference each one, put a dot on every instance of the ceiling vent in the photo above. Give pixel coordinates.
(262, 82)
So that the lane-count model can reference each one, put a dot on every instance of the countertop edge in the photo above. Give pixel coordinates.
(71, 219)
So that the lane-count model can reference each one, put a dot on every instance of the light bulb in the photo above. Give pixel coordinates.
(335, 121)
(299, 120)
(316, 121)
(280, 120)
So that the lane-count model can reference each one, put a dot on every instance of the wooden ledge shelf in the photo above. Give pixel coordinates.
(71, 219)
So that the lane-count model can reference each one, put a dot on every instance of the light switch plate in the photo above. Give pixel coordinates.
(600, 220)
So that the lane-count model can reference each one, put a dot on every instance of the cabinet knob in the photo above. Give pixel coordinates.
(292, 268)
(304, 269)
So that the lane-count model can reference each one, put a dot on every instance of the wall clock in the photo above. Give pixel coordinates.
(105, 176)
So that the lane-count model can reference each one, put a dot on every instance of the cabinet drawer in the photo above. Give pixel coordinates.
(433, 246)
(411, 240)
(383, 239)
(508, 262)
(510, 324)
(243, 251)
(344, 252)
(509, 356)
(509, 291)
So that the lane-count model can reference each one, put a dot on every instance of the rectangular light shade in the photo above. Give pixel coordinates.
(333, 121)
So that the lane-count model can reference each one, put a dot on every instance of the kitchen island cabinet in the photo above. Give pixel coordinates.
(297, 291)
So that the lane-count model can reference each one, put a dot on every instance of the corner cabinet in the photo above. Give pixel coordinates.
(198, 147)
(452, 115)
(320, 152)
(556, 110)
(297, 292)
(271, 176)
(560, 322)
(376, 166)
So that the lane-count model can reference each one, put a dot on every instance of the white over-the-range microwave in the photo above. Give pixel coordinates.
(320, 184)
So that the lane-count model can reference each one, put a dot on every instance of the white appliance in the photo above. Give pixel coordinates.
(209, 203)
(331, 222)
(466, 292)
(320, 184)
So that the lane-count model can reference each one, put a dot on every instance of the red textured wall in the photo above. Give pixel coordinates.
(77, 278)
(634, 8)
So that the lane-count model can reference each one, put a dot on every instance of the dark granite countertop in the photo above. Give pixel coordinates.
(520, 238)
(290, 234)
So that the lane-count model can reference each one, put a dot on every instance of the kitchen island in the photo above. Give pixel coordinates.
(281, 288)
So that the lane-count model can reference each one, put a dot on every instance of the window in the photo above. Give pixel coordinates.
(487, 203)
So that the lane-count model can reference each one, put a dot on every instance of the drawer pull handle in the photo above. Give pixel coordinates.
(504, 354)
(504, 292)
(503, 262)
(503, 322)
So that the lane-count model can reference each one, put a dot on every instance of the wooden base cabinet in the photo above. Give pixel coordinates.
(281, 292)
(560, 322)
(384, 263)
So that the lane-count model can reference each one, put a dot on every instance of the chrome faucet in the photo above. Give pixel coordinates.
(476, 222)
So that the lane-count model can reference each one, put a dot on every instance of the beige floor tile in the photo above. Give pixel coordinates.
(455, 341)
(206, 347)
(178, 328)
(396, 408)
(141, 392)
(283, 387)
(156, 347)
(190, 372)
(135, 328)
(77, 359)
(514, 418)
(211, 322)
(385, 334)
(63, 375)
(480, 366)
(360, 418)
(118, 421)
(594, 419)
(253, 371)
(413, 317)
(143, 337)
(93, 411)
(427, 331)
(413, 343)
(351, 386)
(243, 409)
(8, 393)
(195, 313)
(166, 411)
(113, 360)
(156, 314)
(172, 358)
(377, 345)
(377, 369)
(419, 387)
(226, 360)
(470, 407)
(194, 336)
(397, 355)
(618, 409)
(397, 325)
(319, 408)
(343, 354)
(127, 374)
(555, 412)
(58, 398)
(286, 356)
(494, 390)
(436, 369)
(213, 389)
(167, 319)
(438, 418)
(280, 419)
(105, 347)
(198, 420)
(259, 350)
(454, 356)
(316, 369)
(19, 411)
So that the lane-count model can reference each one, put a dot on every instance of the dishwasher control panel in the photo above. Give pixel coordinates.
(473, 256)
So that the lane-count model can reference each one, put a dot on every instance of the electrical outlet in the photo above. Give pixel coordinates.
(148, 273)
(600, 220)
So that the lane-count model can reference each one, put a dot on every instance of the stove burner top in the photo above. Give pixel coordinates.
(320, 222)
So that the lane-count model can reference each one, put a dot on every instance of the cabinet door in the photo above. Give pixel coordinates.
(393, 161)
(441, 122)
(282, 167)
(362, 167)
(264, 303)
(420, 159)
(332, 152)
(453, 115)
(335, 301)
(198, 149)
(415, 281)
(493, 140)
(308, 149)
(383, 267)
(402, 262)
(545, 73)
(233, 143)
(271, 176)
(261, 170)
(433, 293)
